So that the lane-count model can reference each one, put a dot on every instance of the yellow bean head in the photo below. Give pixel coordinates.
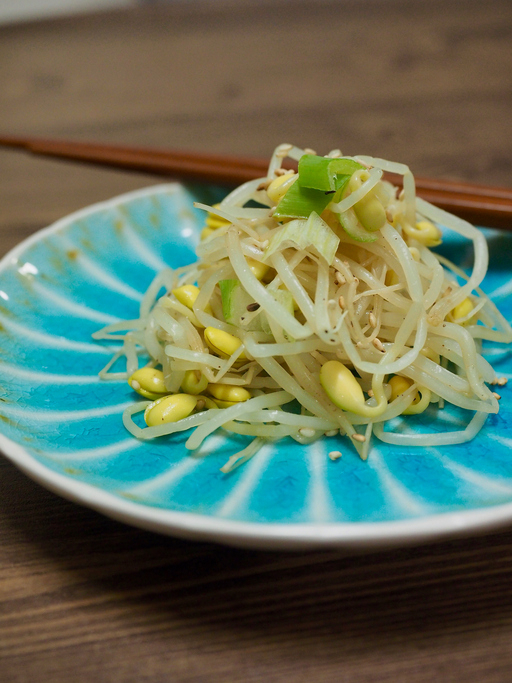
(415, 253)
(148, 382)
(187, 295)
(228, 392)
(194, 382)
(399, 386)
(369, 210)
(206, 232)
(224, 404)
(370, 213)
(341, 387)
(214, 222)
(357, 179)
(222, 343)
(420, 403)
(391, 278)
(427, 233)
(461, 311)
(280, 186)
(259, 270)
(169, 409)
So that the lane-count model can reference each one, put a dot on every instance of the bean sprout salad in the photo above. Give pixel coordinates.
(317, 306)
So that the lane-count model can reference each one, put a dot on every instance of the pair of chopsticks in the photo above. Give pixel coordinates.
(479, 204)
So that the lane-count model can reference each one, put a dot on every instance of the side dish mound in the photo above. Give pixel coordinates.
(317, 306)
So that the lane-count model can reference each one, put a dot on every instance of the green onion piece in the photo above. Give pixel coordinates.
(300, 202)
(324, 173)
(313, 232)
(227, 289)
(235, 301)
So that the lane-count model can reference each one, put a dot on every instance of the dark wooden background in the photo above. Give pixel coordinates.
(83, 598)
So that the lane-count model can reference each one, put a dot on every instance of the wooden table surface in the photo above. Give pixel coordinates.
(83, 598)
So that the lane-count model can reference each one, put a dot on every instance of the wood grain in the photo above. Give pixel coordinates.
(84, 598)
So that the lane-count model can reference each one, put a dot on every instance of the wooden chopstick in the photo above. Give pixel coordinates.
(480, 204)
(215, 168)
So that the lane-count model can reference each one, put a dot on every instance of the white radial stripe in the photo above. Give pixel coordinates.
(495, 351)
(250, 477)
(503, 440)
(482, 481)
(395, 491)
(51, 340)
(168, 478)
(36, 376)
(144, 253)
(100, 275)
(445, 418)
(16, 411)
(501, 291)
(76, 309)
(93, 453)
(319, 502)
(176, 473)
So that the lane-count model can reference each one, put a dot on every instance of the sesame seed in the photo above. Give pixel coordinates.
(135, 385)
(372, 319)
(264, 185)
(331, 432)
(264, 244)
(341, 302)
(335, 153)
(502, 381)
(253, 306)
(335, 455)
(307, 432)
(370, 393)
(280, 171)
(496, 396)
(359, 437)
(200, 404)
(378, 344)
(339, 278)
(308, 150)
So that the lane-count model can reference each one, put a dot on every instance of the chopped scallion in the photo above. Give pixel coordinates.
(300, 202)
(324, 173)
(313, 232)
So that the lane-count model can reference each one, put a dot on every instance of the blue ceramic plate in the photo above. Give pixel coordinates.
(62, 425)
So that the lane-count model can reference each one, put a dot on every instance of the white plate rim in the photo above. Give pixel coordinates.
(293, 536)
